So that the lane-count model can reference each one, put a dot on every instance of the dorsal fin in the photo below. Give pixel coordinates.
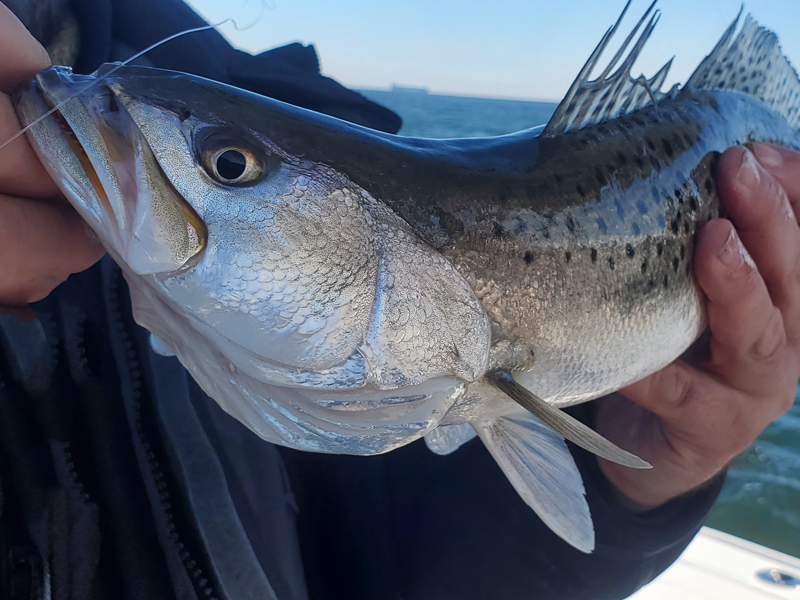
(752, 64)
(610, 95)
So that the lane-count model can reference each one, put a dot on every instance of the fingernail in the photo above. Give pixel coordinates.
(767, 155)
(749, 175)
(733, 253)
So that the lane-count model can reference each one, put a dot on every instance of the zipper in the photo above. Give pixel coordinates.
(144, 418)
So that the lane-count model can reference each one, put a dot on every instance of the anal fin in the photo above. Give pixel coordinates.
(539, 466)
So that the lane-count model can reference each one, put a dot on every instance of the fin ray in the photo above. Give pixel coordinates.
(610, 95)
(538, 464)
(753, 64)
(567, 426)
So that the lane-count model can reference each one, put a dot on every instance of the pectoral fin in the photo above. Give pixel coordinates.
(569, 427)
(539, 466)
(446, 439)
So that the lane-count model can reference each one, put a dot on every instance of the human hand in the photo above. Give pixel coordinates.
(42, 240)
(690, 420)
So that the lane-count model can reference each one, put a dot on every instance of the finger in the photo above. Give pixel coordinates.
(41, 244)
(22, 55)
(21, 172)
(697, 411)
(748, 341)
(765, 220)
(784, 166)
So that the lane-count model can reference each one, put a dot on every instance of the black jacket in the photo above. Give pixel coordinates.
(120, 478)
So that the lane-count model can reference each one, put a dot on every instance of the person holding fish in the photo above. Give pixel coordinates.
(121, 478)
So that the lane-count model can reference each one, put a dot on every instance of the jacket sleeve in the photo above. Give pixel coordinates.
(463, 532)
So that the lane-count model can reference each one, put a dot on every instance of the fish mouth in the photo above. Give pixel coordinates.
(77, 148)
(98, 156)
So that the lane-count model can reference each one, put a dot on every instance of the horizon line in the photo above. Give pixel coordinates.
(430, 92)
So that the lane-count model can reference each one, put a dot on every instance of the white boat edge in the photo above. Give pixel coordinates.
(718, 565)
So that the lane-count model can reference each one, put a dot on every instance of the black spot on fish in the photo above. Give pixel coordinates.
(639, 161)
(185, 114)
(654, 162)
(666, 282)
(667, 148)
(679, 196)
(650, 144)
(601, 178)
(601, 224)
(621, 159)
(659, 248)
(683, 252)
(693, 204)
(528, 258)
(570, 224)
(498, 230)
(568, 256)
(709, 185)
(644, 267)
(620, 210)
(579, 189)
(557, 177)
(112, 102)
(686, 227)
(593, 254)
(674, 225)
(636, 230)
(641, 206)
(629, 251)
(611, 262)
(675, 263)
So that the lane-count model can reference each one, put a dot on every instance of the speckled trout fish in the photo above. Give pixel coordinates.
(342, 290)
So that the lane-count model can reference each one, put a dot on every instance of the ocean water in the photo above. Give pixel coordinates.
(761, 498)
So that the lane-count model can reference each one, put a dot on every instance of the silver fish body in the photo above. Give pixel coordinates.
(341, 290)
(364, 265)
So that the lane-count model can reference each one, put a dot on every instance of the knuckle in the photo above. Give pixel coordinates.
(678, 386)
(777, 206)
(769, 345)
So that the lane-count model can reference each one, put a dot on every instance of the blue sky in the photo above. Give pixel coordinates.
(510, 48)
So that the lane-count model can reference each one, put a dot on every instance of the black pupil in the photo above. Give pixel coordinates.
(231, 164)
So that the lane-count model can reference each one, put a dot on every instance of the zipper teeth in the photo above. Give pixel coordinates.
(48, 322)
(82, 361)
(80, 489)
(196, 575)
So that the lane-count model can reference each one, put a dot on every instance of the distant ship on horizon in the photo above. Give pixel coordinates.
(405, 89)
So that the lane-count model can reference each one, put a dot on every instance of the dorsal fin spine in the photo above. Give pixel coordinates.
(591, 102)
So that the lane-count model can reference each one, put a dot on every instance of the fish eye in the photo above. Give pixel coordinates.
(233, 165)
